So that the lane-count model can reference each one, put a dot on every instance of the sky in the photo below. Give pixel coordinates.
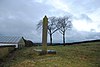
(19, 18)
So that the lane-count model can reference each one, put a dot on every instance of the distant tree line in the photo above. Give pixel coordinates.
(61, 24)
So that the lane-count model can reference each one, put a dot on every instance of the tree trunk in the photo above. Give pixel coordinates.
(64, 38)
(50, 39)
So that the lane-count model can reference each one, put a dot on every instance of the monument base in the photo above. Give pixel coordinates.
(51, 52)
(41, 52)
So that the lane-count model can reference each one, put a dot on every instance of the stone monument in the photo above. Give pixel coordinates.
(44, 39)
(44, 35)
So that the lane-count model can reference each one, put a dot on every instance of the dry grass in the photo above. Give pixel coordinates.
(3, 52)
(84, 55)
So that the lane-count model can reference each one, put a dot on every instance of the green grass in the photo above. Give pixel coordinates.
(83, 55)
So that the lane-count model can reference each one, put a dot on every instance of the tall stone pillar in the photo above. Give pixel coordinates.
(44, 35)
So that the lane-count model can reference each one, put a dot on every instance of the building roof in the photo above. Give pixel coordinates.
(9, 39)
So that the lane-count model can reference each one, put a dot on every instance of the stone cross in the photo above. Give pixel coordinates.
(44, 35)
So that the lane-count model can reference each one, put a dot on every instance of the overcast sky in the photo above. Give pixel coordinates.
(19, 18)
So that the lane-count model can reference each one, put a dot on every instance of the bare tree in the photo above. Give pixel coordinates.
(52, 26)
(64, 23)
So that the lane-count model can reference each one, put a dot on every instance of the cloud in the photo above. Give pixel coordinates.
(83, 25)
(85, 17)
(74, 36)
(19, 17)
(39, 1)
(84, 6)
(95, 15)
(57, 4)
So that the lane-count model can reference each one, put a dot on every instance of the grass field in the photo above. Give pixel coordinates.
(4, 51)
(82, 55)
